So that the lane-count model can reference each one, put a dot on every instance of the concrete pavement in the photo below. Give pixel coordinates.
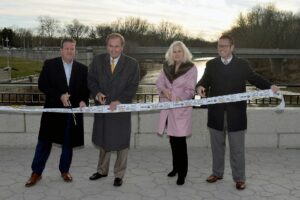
(271, 174)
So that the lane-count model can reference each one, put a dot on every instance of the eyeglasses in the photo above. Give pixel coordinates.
(223, 46)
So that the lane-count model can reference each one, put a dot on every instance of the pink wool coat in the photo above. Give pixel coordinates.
(179, 120)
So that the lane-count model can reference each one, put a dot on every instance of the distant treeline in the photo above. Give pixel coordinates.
(262, 27)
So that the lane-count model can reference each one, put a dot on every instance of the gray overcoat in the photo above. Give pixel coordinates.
(111, 131)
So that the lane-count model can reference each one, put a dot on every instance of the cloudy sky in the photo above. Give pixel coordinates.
(205, 18)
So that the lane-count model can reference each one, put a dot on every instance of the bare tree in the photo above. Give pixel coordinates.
(168, 31)
(267, 27)
(48, 26)
(131, 27)
(102, 31)
(92, 33)
(76, 29)
(23, 37)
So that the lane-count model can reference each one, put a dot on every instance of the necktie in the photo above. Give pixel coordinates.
(225, 62)
(112, 65)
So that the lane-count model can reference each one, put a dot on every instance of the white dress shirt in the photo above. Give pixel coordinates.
(68, 70)
(227, 60)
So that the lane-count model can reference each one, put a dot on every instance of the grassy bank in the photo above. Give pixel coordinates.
(21, 67)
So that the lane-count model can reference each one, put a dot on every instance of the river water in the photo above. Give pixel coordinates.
(151, 71)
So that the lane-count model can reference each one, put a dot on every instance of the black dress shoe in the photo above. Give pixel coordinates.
(180, 180)
(118, 182)
(96, 176)
(172, 173)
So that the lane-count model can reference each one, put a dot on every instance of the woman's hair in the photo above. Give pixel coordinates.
(187, 56)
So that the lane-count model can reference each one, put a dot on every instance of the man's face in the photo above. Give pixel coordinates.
(68, 51)
(225, 49)
(114, 47)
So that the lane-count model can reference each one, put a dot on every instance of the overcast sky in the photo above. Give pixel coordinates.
(205, 18)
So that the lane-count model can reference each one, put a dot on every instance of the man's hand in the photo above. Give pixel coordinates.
(274, 88)
(101, 98)
(113, 105)
(201, 91)
(65, 99)
(82, 104)
(168, 94)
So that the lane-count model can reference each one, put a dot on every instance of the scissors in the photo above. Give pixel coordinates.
(73, 114)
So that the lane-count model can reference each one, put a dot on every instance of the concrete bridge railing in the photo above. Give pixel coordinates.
(265, 129)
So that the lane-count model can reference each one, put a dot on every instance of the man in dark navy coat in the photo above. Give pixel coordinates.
(228, 74)
(64, 82)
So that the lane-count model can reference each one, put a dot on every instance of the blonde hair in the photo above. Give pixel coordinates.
(187, 56)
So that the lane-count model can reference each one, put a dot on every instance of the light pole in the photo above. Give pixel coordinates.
(7, 40)
(24, 51)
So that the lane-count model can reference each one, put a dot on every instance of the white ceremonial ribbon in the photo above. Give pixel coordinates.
(136, 107)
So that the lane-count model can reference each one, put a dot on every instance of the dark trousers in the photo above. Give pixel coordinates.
(42, 152)
(179, 154)
(43, 149)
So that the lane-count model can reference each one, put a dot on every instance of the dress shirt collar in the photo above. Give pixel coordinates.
(115, 59)
(228, 60)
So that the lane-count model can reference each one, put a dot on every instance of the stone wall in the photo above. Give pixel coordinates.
(265, 129)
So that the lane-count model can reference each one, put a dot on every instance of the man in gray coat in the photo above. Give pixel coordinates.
(113, 79)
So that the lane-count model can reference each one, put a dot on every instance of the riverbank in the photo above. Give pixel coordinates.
(289, 74)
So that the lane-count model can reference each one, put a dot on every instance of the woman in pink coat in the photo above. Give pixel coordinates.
(177, 82)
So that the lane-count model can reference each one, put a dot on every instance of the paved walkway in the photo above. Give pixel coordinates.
(271, 174)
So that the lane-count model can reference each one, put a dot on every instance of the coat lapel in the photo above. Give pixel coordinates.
(61, 73)
(106, 65)
(74, 73)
